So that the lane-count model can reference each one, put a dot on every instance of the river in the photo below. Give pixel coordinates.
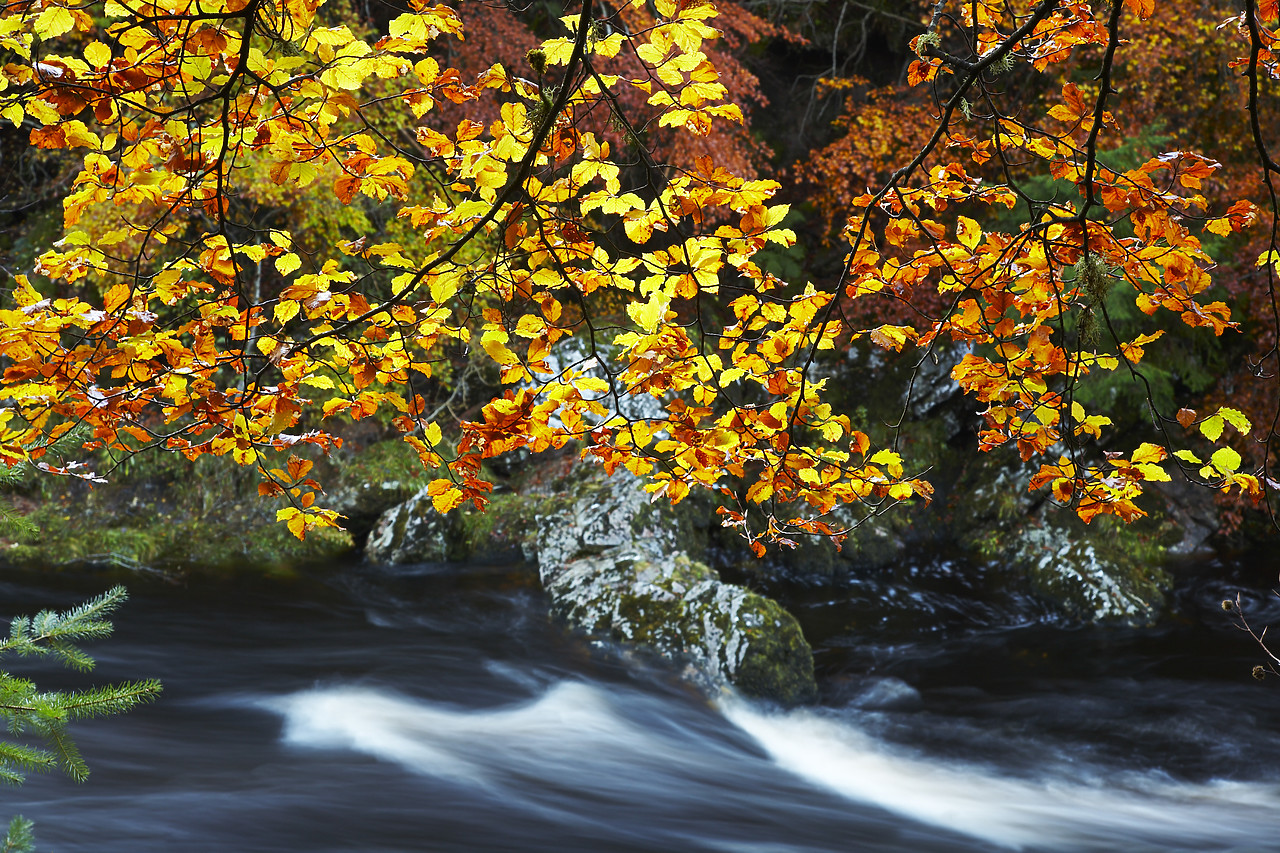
(437, 709)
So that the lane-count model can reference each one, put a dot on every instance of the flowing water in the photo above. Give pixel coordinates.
(437, 709)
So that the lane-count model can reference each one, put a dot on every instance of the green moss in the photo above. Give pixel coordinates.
(506, 526)
(159, 537)
(680, 609)
(778, 663)
(383, 461)
(1105, 571)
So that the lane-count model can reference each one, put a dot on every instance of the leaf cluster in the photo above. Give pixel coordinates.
(585, 246)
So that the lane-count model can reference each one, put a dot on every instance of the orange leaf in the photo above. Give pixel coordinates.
(345, 188)
(1142, 8)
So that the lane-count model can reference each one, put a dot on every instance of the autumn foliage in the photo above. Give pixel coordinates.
(580, 206)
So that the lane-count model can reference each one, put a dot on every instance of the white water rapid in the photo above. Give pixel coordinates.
(573, 728)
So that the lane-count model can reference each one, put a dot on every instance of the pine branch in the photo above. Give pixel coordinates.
(68, 753)
(110, 700)
(52, 633)
(13, 523)
(21, 837)
(26, 710)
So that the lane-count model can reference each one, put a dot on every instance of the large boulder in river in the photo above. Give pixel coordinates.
(681, 609)
(1102, 572)
(611, 566)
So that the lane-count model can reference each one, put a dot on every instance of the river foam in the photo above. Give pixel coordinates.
(1142, 811)
(445, 741)
(573, 736)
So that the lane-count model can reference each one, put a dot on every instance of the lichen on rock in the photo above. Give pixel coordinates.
(1089, 584)
(413, 532)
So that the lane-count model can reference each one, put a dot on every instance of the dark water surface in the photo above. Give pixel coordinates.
(438, 710)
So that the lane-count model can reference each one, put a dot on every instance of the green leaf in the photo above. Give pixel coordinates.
(1236, 418)
(1211, 427)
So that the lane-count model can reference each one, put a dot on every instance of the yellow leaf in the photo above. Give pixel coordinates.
(54, 21)
(286, 264)
(1211, 427)
(647, 315)
(889, 459)
(97, 54)
(447, 499)
(760, 492)
(494, 342)
(286, 310)
(1153, 473)
(1147, 453)
(14, 113)
(901, 491)
(443, 287)
(431, 435)
(1225, 460)
(892, 337)
(1221, 227)
(343, 76)
(968, 232)
(1236, 418)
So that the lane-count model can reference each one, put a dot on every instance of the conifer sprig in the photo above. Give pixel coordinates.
(28, 711)
(21, 837)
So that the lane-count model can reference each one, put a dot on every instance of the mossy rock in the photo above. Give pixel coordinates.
(159, 536)
(680, 609)
(505, 531)
(1103, 572)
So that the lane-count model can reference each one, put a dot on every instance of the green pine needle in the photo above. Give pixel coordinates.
(21, 837)
(27, 711)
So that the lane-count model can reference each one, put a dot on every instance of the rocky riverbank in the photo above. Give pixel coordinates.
(619, 567)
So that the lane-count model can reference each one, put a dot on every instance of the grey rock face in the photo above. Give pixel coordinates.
(608, 513)
(412, 532)
(612, 567)
(1092, 586)
(364, 502)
